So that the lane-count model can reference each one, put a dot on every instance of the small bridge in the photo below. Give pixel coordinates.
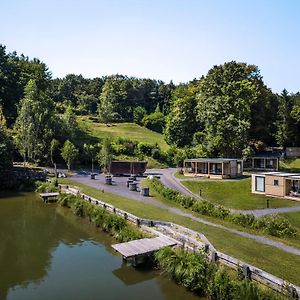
(138, 250)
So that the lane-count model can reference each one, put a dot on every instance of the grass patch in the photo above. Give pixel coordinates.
(294, 218)
(234, 194)
(292, 165)
(126, 130)
(179, 176)
(268, 258)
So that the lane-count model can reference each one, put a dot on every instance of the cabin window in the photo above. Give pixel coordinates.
(259, 184)
(275, 182)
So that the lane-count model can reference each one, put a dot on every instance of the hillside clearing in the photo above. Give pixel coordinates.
(131, 131)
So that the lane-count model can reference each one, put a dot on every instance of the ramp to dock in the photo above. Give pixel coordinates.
(143, 246)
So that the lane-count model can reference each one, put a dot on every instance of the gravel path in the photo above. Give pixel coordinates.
(120, 188)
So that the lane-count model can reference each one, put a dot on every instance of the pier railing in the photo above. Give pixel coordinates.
(194, 241)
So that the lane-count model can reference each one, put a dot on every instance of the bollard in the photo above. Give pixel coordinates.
(145, 191)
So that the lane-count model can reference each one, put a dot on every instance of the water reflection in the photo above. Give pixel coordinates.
(48, 253)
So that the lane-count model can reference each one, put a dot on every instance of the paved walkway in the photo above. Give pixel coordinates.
(120, 188)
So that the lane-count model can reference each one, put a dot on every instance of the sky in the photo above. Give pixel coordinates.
(160, 39)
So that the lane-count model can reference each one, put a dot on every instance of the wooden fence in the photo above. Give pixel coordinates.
(194, 241)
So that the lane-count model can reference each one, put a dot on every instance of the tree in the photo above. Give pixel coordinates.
(69, 122)
(6, 150)
(69, 153)
(53, 147)
(181, 122)
(2, 118)
(283, 119)
(105, 154)
(34, 122)
(226, 96)
(138, 114)
(108, 101)
(90, 151)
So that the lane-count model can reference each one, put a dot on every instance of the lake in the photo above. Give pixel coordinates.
(46, 252)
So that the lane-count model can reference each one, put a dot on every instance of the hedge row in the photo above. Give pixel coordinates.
(204, 278)
(274, 225)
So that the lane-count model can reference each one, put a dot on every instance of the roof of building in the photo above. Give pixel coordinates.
(128, 161)
(266, 154)
(280, 174)
(216, 160)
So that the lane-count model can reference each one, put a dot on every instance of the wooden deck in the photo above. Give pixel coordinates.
(49, 197)
(143, 246)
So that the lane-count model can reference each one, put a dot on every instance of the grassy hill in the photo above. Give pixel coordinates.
(291, 165)
(94, 130)
(90, 133)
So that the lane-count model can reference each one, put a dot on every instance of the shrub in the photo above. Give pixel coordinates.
(138, 114)
(155, 121)
(220, 286)
(46, 187)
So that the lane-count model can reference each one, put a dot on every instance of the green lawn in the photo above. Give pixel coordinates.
(268, 258)
(234, 194)
(292, 165)
(294, 218)
(126, 130)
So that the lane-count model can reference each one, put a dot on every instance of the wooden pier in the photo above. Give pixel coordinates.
(49, 197)
(138, 250)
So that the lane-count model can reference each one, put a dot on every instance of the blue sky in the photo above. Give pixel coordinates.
(161, 39)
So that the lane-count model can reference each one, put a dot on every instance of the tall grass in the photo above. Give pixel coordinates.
(204, 278)
(108, 222)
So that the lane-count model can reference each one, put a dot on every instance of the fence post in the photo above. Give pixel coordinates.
(214, 256)
(246, 272)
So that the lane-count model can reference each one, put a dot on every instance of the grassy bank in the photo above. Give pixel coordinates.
(268, 258)
(108, 222)
(234, 194)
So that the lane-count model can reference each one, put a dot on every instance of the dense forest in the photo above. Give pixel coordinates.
(229, 112)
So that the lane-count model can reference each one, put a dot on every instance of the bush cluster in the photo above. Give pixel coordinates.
(108, 222)
(274, 225)
(124, 146)
(46, 186)
(196, 273)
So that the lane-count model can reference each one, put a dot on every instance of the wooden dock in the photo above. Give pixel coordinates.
(49, 197)
(136, 251)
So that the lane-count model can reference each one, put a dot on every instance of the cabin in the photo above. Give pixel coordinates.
(118, 167)
(213, 167)
(277, 184)
(263, 162)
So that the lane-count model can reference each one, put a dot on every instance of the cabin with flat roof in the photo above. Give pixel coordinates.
(277, 184)
(265, 161)
(213, 167)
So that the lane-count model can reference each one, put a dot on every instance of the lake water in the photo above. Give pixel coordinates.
(48, 253)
